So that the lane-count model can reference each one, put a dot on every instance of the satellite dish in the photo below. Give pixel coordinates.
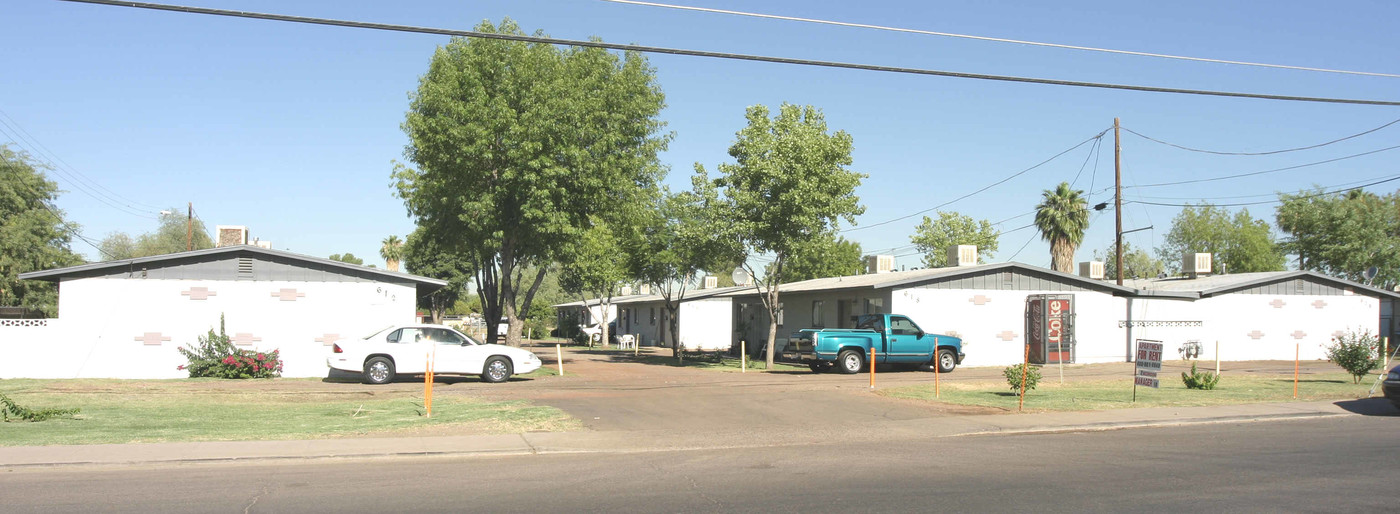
(1370, 273)
(740, 277)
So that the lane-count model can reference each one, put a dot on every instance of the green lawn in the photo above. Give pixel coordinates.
(1051, 395)
(140, 411)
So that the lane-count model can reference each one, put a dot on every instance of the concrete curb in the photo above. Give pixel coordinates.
(555, 443)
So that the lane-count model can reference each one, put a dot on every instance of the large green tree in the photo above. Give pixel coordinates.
(789, 185)
(515, 146)
(596, 266)
(934, 237)
(176, 232)
(1342, 234)
(675, 244)
(33, 234)
(827, 256)
(1062, 218)
(424, 254)
(1238, 242)
(1137, 263)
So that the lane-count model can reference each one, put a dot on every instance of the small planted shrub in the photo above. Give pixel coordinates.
(1013, 376)
(217, 357)
(1355, 352)
(1199, 380)
(9, 410)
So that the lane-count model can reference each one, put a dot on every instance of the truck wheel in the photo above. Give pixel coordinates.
(819, 367)
(946, 360)
(849, 361)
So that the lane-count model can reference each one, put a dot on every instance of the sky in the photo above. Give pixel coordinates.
(293, 130)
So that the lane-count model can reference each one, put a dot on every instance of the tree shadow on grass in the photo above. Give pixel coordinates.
(1313, 381)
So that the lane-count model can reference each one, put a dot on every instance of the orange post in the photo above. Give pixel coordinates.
(428, 387)
(1025, 365)
(872, 367)
(937, 363)
(1295, 370)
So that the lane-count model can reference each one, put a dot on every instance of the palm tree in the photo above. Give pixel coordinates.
(1062, 219)
(392, 252)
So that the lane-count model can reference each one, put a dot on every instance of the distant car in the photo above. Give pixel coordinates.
(406, 349)
(1391, 386)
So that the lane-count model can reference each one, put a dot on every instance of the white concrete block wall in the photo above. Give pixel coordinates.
(707, 324)
(100, 320)
(992, 323)
(1261, 327)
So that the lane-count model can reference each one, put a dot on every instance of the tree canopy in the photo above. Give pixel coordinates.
(829, 256)
(175, 233)
(33, 234)
(423, 255)
(348, 258)
(1342, 234)
(515, 146)
(1062, 217)
(934, 237)
(1239, 243)
(1137, 263)
(789, 186)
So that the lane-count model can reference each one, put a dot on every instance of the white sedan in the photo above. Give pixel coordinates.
(407, 349)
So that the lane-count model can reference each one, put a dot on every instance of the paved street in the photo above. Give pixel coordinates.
(1325, 464)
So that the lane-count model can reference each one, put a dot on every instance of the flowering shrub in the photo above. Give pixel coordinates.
(216, 357)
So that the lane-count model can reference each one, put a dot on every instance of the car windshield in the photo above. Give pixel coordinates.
(377, 332)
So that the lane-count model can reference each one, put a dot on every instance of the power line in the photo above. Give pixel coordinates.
(1324, 193)
(994, 184)
(1249, 196)
(1002, 40)
(722, 55)
(29, 148)
(1319, 145)
(53, 156)
(75, 231)
(1253, 173)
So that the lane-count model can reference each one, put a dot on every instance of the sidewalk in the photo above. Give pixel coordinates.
(651, 441)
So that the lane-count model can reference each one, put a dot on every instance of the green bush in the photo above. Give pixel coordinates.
(9, 409)
(1013, 376)
(217, 357)
(1199, 380)
(1355, 352)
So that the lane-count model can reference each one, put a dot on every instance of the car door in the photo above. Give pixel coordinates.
(408, 346)
(454, 352)
(907, 343)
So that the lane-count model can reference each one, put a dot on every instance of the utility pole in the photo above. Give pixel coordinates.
(1118, 199)
(189, 230)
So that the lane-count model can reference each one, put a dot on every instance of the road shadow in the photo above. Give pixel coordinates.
(336, 376)
(1369, 407)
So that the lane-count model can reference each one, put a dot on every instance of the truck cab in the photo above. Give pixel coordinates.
(894, 337)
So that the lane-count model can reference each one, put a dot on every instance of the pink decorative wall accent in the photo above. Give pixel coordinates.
(1006, 335)
(287, 295)
(1256, 335)
(1278, 303)
(979, 300)
(199, 293)
(1319, 304)
(152, 338)
(1299, 334)
(328, 339)
(245, 339)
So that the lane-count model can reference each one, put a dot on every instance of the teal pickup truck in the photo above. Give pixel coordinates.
(895, 338)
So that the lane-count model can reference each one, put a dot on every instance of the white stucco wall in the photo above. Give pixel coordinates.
(102, 321)
(707, 324)
(992, 323)
(1256, 326)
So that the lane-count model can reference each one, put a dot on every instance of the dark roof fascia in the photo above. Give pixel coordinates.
(1087, 283)
(1356, 287)
(1152, 294)
(56, 274)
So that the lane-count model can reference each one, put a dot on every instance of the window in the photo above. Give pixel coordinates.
(876, 323)
(902, 326)
(818, 320)
(653, 315)
(874, 305)
(406, 335)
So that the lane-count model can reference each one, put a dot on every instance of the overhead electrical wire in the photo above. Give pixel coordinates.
(1319, 145)
(722, 55)
(75, 232)
(989, 186)
(1254, 195)
(1240, 204)
(1253, 173)
(1001, 40)
(55, 160)
(33, 152)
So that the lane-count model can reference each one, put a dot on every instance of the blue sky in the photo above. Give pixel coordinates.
(292, 129)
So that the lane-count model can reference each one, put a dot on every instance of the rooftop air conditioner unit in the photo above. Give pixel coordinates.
(962, 255)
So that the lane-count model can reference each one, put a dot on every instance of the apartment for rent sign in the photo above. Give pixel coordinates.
(1149, 363)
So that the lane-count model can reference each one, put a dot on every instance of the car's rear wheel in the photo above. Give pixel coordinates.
(497, 370)
(849, 361)
(379, 370)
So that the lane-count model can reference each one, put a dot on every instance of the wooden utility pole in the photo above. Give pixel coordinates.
(189, 228)
(1118, 200)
